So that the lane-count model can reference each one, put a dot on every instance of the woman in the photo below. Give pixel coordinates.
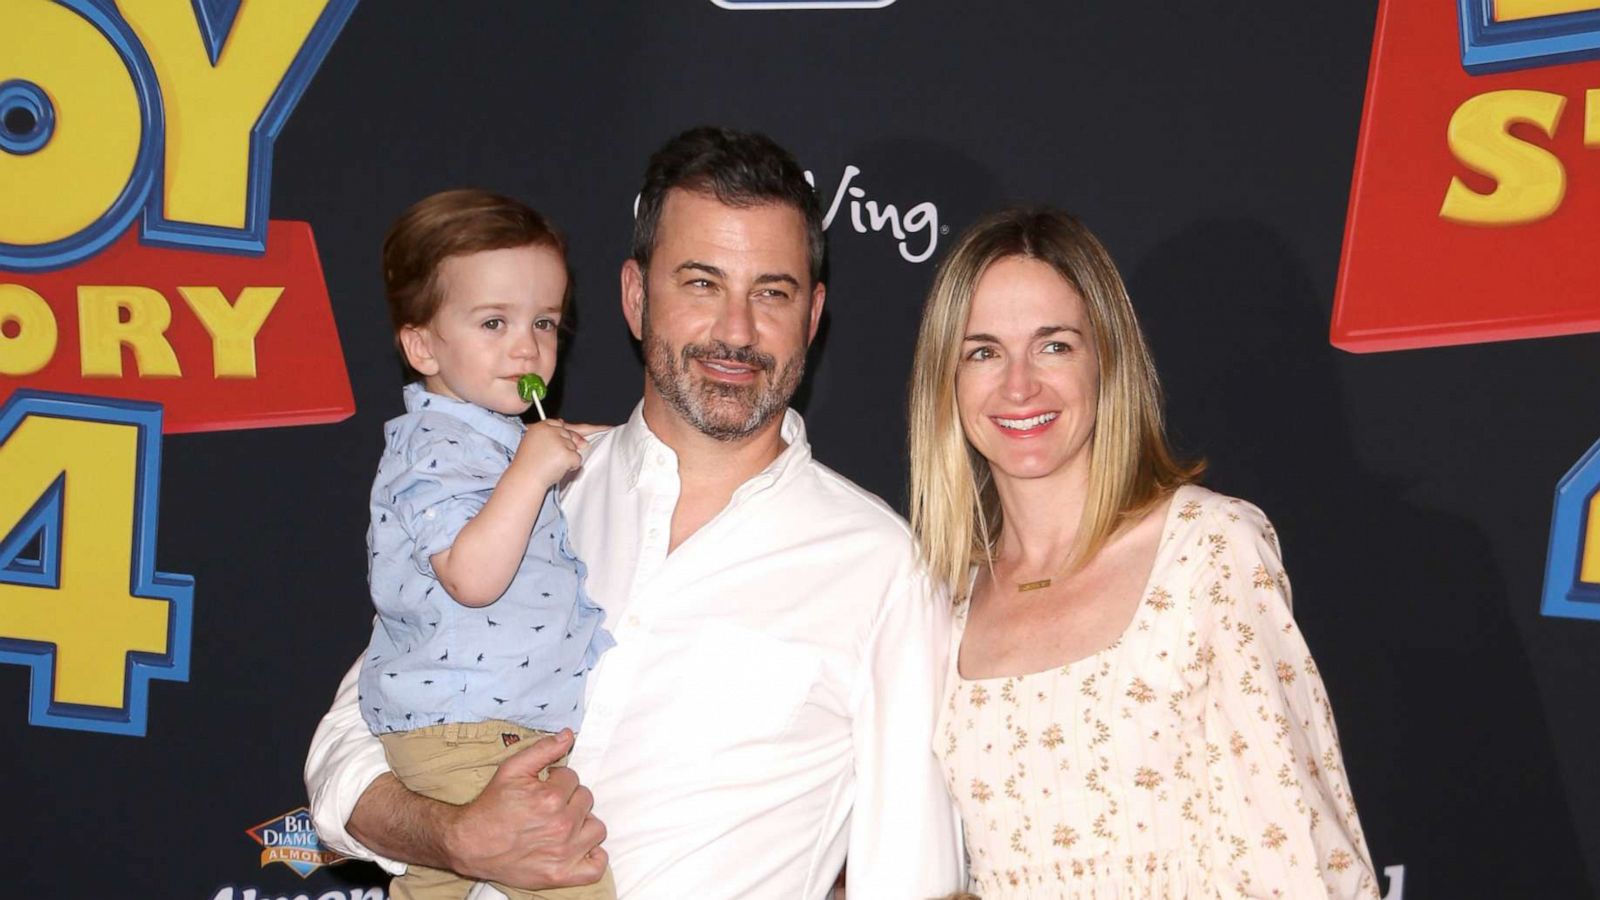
(1131, 711)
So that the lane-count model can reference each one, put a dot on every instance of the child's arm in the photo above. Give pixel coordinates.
(479, 564)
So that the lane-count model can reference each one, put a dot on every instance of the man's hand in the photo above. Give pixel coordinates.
(528, 833)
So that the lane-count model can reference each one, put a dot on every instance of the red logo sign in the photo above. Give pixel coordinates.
(1475, 196)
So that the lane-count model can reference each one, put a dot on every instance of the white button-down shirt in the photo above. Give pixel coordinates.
(769, 705)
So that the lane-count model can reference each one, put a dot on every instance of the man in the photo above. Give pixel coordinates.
(769, 706)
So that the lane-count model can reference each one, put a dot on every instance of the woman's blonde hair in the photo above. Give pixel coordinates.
(955, 510)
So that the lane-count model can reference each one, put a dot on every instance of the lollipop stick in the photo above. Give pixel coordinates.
(540, 407)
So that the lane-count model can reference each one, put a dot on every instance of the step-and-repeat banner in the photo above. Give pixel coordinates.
(1359, 235)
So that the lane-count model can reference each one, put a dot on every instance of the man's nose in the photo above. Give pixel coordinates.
(736, 326)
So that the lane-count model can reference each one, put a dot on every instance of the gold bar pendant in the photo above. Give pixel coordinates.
(1033, 585)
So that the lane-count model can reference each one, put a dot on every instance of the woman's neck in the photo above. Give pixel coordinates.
(1041, 517)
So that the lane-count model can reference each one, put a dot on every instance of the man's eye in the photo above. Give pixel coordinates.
(494, 324)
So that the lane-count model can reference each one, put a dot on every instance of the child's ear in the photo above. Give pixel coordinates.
(418, 346)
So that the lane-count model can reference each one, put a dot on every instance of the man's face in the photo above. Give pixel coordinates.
(725, 312)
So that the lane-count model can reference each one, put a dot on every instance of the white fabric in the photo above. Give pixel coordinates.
(769, 705)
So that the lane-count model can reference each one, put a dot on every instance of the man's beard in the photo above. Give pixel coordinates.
(725, 412)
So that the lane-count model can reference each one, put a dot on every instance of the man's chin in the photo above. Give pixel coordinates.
(727, 423)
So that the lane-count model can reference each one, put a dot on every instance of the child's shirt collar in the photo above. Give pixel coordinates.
(502, 429)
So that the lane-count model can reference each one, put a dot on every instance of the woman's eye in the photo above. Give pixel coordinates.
(981, 353)
(1056, 347)
(494, 324)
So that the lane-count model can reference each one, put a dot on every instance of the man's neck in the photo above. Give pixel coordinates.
(709, 470)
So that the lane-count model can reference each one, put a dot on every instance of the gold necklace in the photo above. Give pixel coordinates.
(1037, 584)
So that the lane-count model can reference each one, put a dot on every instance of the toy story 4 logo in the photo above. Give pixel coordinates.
(143, 290)
(1472, 208)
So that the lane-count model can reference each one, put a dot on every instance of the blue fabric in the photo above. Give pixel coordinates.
(523, 658)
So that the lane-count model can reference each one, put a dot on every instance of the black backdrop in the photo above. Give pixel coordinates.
(1211, 147)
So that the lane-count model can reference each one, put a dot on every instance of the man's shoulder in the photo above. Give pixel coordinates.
(835, 495)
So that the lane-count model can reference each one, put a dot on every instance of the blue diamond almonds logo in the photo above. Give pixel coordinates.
(290, 839)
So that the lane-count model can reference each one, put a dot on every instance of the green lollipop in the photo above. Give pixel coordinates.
(532, 389)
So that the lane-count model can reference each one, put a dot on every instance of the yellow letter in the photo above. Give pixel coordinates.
(211, 111)
(1591, 118)
(102, 331)
(1515, 10)
(35, 341)
(232, 328)
(92, 619)
(63, 187)
(1529, 180)
(1589, 550)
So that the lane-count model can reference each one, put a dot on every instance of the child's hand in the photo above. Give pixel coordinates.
(549, 450)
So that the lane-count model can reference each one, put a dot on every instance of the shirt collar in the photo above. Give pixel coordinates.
(641, 452)
(503, 430)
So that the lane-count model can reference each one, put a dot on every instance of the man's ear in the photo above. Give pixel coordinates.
(819, 294)
(633, 297)
(417, 344)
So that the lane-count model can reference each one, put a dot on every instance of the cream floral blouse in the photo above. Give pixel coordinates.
(1194, 757)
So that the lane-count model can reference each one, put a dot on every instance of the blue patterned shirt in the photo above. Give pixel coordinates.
(523, 658)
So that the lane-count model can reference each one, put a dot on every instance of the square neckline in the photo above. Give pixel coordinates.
(1133, 621)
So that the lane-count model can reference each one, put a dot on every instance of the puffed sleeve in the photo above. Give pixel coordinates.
(1282, 819)
(445, 480)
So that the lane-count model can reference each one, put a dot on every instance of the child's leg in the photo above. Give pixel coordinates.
(454, 763)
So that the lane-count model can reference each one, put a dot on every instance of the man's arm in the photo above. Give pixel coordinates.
(520, 831)
(904, 830)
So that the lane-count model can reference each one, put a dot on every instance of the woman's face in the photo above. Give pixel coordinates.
(1029, 374)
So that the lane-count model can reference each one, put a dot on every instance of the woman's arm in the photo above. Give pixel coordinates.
(1283, 818)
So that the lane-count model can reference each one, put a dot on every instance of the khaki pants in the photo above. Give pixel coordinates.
(454, 763)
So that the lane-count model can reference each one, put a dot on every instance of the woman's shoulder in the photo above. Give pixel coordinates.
(1198, 510)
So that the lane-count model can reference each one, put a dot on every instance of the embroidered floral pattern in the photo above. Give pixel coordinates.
(1167, 764)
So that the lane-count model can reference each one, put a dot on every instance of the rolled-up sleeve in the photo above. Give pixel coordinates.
(904, 828)
(447, 481)
(345, 758)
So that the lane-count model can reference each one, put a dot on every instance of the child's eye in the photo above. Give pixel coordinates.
(544, 323)
(494, 324)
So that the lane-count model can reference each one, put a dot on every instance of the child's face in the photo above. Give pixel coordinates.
(496, 322)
